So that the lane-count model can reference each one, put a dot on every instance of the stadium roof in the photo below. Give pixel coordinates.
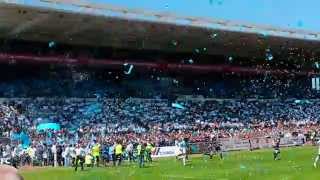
(84, 23)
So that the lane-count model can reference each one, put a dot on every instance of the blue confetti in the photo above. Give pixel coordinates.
(269, 56)
(214, 35)
(174, 42)
(190, 61)
(129, 70)
(219, 2)
(51, 44)
(300, 23)
(177, 105)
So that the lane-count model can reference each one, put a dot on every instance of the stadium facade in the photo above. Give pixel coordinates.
(102, 25)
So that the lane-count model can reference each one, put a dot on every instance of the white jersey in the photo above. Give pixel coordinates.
(54, 149)
(72, 152)
(80, 152)
(129, 148)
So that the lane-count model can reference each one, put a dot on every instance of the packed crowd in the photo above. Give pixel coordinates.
(154, 121)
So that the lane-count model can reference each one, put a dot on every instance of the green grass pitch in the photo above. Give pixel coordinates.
(296, 163)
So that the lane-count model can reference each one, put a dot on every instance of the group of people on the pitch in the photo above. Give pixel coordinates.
(214, 148)
(140, 153)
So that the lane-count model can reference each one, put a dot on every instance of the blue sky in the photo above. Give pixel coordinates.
(300, 14)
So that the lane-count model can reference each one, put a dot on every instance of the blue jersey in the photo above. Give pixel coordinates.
(105, 150)
(111, 150)
(183, 145)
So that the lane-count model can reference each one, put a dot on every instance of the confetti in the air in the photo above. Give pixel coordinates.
(218, 2)
(269, 55)
(128, 68)
(300, 23)
(175, 81)
(230, 58)
(174, 42)
(214, 35)
(190, 61)
(51, 44)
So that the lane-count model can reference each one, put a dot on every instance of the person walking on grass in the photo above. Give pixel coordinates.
(141, 148)
(80, 155)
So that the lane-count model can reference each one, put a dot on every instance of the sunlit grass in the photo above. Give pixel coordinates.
(295, 163)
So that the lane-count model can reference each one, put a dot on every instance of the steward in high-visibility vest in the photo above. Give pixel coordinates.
(95, 150)
(88, 160)
(148, 152)
(140, 152)
(118, 152)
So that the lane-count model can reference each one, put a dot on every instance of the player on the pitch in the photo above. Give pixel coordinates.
(214, 148)
(276, 149)
(318, 156)
(183, 151)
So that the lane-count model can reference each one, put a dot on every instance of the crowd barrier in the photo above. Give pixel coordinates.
(231, 144)
(166, 151)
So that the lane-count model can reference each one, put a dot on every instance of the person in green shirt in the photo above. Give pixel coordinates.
(140, 152)
(95, 151)
(118, 153)
(88, 160)
(149, 148)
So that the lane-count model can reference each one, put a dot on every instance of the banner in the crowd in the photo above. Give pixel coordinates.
(46, 126)
(166, 151)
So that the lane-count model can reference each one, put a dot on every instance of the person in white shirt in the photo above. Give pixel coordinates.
(64, 155)
(129, 150)
(80, 155)
(45, 157)
(73, 154)
(54, 152)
